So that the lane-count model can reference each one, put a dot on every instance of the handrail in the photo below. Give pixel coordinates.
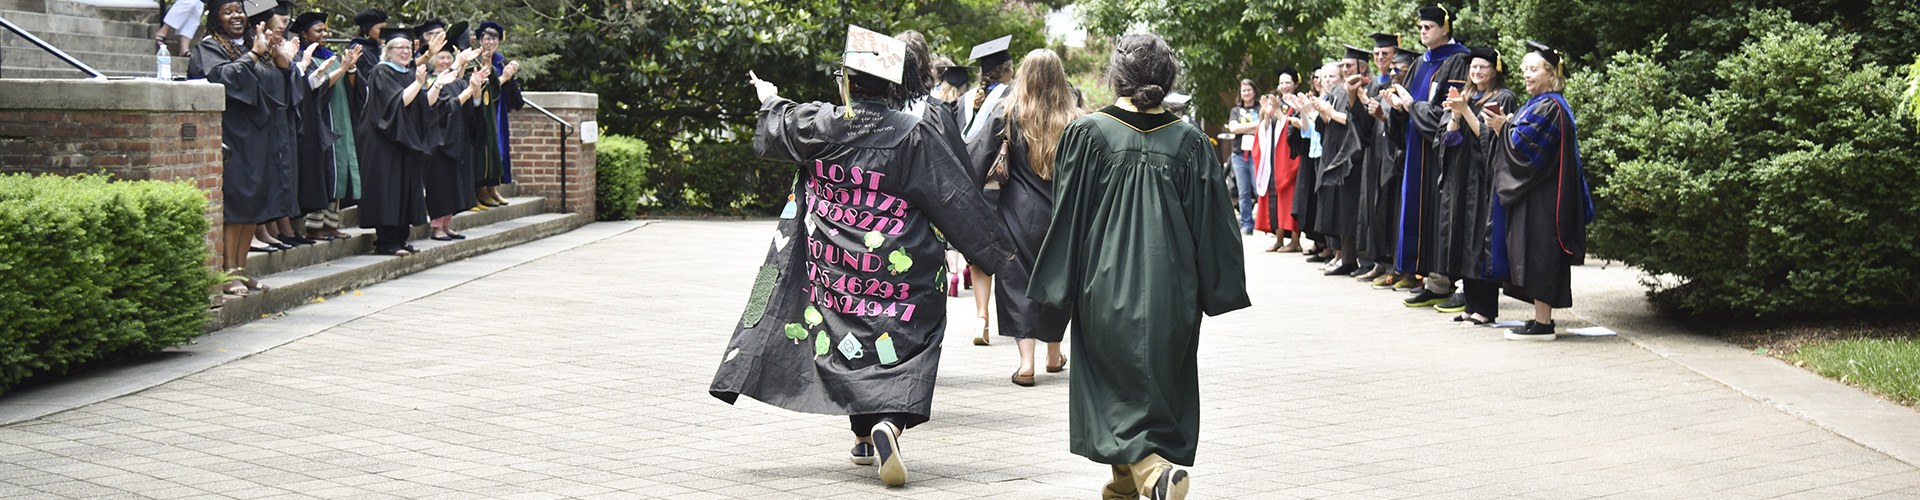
(566, 130)
(17, 30)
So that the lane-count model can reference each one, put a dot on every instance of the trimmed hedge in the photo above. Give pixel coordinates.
(717, 177)
(621, 171)
(91, 269)
(1793, 187)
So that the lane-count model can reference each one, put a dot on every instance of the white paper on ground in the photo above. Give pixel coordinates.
(1507, 324)
(1595, 331)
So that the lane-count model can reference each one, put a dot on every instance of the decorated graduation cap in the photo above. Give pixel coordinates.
(369, 17)
(875, 54)
(1357, 54)
(307, 20)
(1383, 39)
(1491, 55)
(490, 28)
(1553, 57)
(1439, 15)
(1176, 99)
(993, 53)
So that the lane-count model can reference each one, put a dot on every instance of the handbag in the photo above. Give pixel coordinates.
(998, 173)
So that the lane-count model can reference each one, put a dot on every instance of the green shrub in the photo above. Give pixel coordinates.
(718, 177)
(91, 268)
(1792, 188)
(620, 175)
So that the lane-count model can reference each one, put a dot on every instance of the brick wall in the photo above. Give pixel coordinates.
(130, 130)
(537, 151)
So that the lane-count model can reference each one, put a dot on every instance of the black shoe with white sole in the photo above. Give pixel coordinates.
(862, 454)
(886, 448)
(1532, 331)
(1172, 485)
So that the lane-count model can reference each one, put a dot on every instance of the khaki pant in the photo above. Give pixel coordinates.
(1135, 479)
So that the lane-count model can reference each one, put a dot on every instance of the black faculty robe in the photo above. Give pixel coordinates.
(393, 151)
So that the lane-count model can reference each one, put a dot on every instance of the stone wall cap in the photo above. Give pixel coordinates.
(563, 100)
(111, 95)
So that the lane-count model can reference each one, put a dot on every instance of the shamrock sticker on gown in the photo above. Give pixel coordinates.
(898, 261)
(796, 332)
(874, 239)
(813, 316)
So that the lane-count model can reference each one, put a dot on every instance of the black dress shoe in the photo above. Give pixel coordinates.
(440, 238)
(1319, 258)
(282, 246)
(457, 236)
(265, 249)
(1343, 270)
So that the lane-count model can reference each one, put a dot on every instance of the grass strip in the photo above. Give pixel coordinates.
(1888, 367)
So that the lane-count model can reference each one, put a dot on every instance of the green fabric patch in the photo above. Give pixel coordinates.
(762, 292)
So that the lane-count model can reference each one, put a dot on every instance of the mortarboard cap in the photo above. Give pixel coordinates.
(1552, 57)
(429, 25)
(1491, 55)
(1358, 54)
(369, 17)
(1404, 56)
(992, 53)
(214, 5)
(458, 36)
(487, 27)
(1439, 15)
(875, 54)
(955, 75)
(1176, 99)
(392, 32)
(307, 20)
(1381, 39)
(1288, 72)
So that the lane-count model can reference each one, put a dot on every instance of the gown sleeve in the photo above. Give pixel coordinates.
(1209, 209)
(1532, 153)
(986, 149)
(788, 131)
(1056, 271)
(939, 184)
(395, 119)
(236, 74)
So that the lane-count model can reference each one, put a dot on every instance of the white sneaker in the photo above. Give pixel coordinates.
(886, 447)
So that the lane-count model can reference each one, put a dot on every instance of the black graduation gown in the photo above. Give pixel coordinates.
(1335, 208)
(1304, 183)
(1538, 177)
(316, 139)
(848, 312)
(1419, 209)
(1143, 242)
(356, 82)
(1463, 202)
(449, 175)
(1369, 219)
(393, 151)
(1026, 206)
(259, 175)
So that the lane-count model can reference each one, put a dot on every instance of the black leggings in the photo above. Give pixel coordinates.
(862, 424)
(1483, 298)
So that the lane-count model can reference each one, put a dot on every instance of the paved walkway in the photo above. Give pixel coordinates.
(582, 374)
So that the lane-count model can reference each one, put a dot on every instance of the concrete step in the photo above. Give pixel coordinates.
(263, 264)
(39, 22)
(34, 6)
(292, 288)
(72, 42)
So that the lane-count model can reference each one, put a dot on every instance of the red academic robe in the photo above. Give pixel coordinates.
(1276, 166)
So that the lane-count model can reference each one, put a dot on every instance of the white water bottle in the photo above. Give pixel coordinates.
(166, 65)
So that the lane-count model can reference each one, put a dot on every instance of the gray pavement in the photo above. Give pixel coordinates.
(581, 373)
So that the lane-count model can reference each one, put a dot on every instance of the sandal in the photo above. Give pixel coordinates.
(984, 338)
(1475, 320)
(396, 252)
(1060, 367)
(254, 285)
(1022, 380)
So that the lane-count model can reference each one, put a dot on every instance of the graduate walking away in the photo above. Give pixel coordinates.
(848, 312)
(1143, 241)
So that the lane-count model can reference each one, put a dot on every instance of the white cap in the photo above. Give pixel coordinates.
(875, 54)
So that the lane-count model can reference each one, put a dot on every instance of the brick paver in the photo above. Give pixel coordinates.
(583, 375)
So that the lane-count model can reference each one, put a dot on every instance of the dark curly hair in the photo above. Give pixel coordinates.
(1143, 68)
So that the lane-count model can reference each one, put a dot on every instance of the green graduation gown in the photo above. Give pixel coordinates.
(1143, 240)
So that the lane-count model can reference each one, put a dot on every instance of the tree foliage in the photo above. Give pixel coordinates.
(1219, 41)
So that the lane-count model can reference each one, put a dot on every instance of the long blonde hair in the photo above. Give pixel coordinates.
(1044, 103)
